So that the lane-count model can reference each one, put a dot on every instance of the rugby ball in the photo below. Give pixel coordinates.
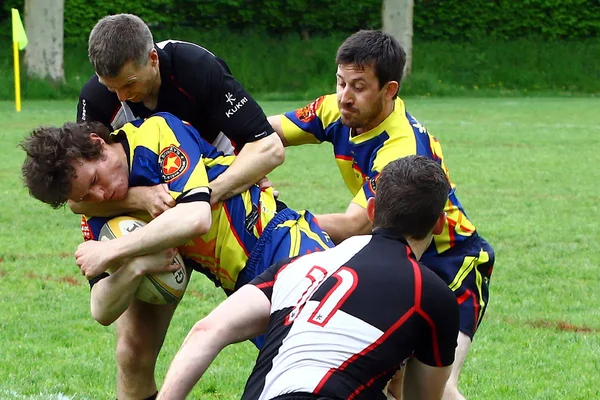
(158, 288)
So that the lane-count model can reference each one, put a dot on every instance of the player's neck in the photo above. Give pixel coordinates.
(418, 247)
(387, 110)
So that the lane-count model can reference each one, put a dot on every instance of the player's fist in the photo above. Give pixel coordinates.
(93, 258)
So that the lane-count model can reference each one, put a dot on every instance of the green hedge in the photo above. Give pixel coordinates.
(289, 67)
(453, 20)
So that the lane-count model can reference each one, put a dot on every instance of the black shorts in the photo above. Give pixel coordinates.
(301, 396)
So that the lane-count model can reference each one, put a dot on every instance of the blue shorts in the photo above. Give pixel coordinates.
(288, 234)
(466, 268)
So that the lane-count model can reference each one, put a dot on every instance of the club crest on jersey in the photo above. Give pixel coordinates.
(373, 183)
(309, 112)
(86, 231)
(174, 162)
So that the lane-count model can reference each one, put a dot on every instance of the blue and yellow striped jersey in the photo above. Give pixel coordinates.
(361, 158)
(163, 149)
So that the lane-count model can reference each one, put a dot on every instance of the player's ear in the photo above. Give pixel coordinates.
(153, 57)
(371, 209)
(94, 137)
(439, 224)
(391, 89)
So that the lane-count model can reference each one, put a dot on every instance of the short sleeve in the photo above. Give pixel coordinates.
(266, 280)
(309, 124)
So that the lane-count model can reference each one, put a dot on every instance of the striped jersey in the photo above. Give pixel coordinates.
(361, 158)
(164, 149)
(343, 321)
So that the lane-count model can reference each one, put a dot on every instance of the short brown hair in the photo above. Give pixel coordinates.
(116, 40)
(377, 49)
(47, 170)
(411, 194)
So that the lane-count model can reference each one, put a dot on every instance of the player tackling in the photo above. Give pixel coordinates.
(341, 322)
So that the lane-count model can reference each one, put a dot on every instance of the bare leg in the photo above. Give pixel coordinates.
(140, 332)
(451, 392)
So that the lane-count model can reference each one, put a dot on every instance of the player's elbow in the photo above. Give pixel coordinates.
(212, 332)
(273, 151)
(201, 222)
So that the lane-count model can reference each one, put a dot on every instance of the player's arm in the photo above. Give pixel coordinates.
(424, 382)
(306, 125)
(244, 315)
(341, 226)
(153, 199)
(254, 161)
(112, 294)
(172, 228)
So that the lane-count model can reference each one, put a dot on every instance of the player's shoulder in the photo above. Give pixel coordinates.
(324, 107)
(184, 55)
(435, 289)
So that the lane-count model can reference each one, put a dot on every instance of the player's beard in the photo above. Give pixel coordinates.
(362, 120)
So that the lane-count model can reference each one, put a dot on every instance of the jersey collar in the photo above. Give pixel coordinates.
(383, 126)
(391, 234)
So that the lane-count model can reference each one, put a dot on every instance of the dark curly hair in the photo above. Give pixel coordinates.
(411, 194)
(47, 169)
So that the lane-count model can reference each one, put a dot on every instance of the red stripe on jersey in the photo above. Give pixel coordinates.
(181, 90)
(343, 157)
(265, 284)
(418, 280)
(461, 299)
(476, 307)
(232, 228)
(368, 349)
(112, 119)
(369, 383)
(436, 348)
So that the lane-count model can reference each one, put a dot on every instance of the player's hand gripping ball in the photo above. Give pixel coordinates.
(154, 288)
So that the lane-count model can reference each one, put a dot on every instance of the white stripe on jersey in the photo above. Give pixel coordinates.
(123, 116)
(299, 354)
(162, 45)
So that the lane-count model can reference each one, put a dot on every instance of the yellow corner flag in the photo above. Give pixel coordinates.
(19, 35)
(19, 43)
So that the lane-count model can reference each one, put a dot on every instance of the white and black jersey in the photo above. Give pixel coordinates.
(197, 87)
(343, 321)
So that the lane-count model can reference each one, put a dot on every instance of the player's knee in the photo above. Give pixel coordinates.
(135, 354)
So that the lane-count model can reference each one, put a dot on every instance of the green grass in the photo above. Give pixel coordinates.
(526, 174)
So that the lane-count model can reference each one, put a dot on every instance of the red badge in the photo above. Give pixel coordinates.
(174, 162)
(309, 112)
(86, 231)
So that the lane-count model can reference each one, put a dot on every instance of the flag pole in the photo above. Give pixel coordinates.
(17, 77)
(19, 42)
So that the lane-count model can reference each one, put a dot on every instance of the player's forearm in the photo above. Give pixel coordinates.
(111, 296)
(254, 162)
(172, 228)
(340, 227)
(193, 358)
(109, 208)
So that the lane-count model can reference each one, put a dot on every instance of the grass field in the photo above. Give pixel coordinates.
(526, 175)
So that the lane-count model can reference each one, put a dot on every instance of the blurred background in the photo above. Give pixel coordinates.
(284, 50)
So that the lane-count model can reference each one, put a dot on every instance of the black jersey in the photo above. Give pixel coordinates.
(197, 87)
(343, 321)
